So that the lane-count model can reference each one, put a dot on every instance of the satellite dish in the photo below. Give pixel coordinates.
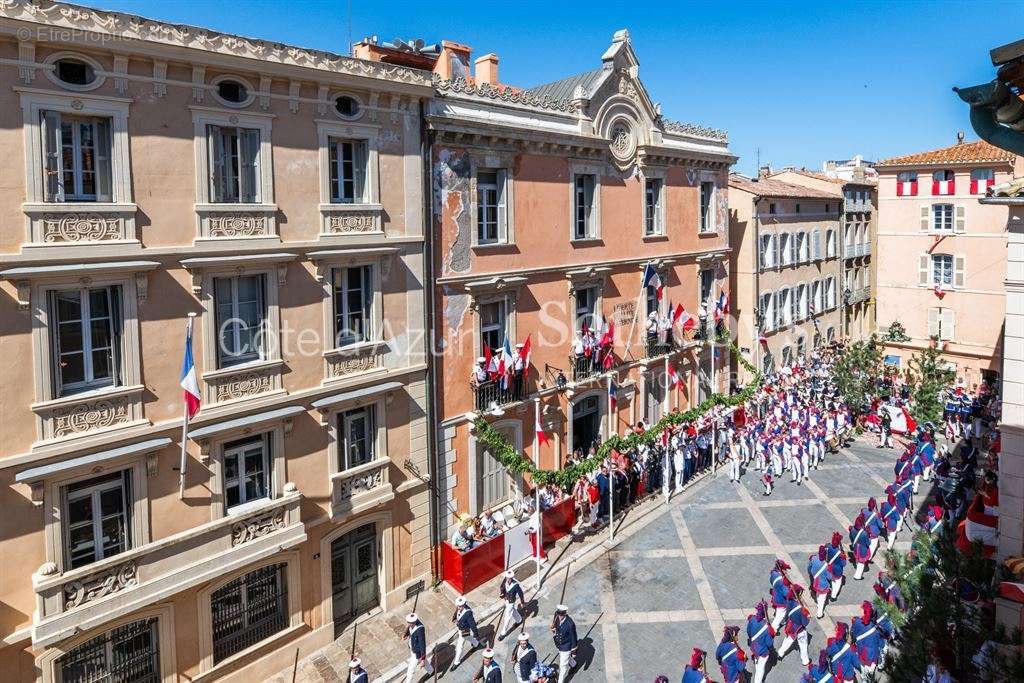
(400, 44)
(417, 44)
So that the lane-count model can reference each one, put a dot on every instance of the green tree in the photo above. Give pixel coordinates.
(928, 378)
(856, 371)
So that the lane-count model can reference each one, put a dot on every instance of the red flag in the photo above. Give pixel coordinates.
(677, 313)
(492, 371)
(608, 338)
(542, 438)
(689, 322)
(525, 352)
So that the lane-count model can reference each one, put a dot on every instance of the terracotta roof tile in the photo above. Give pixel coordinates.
(829, 179)
(963, 153)
(769, 187)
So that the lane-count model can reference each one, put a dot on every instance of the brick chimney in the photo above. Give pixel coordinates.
(453, 61)
(486, 69)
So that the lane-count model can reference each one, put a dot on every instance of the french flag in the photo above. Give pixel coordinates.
(652, 279)
(722, 307)
(189, 382)
(613, 391)
(505, 364)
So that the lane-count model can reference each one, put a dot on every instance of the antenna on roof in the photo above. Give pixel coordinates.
(349, 28)
(757, 169)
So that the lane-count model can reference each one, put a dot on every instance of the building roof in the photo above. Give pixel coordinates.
(563, 89)
(769, 187)
(818, 175)
(961, 153)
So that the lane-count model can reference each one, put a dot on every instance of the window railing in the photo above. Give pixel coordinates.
(583, 367)
(361, 487)
(491, 394)
(659, 348)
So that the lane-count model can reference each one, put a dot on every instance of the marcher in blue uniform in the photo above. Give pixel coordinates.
(417, 637)
(563, 630)
(490, 670)
(842, 656)
(512, 593)
(356, 672)
(904, 492)
(524, 658)
(761, 639)
(795, 627)
(778, 587)
(694, 671)
(872, 524)
(465, 622)
(867, 638)
(933, 519)
(860, 545)
(821, 584)
(818, 672)
(732, 660)
(890, 518)
(836, 562)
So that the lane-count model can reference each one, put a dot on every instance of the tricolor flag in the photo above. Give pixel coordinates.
(613, 399)
(722, 306)
(189, 382)
(490, 363)
(505, 364)
(652, 279)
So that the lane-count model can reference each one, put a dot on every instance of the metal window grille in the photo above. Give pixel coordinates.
(126, 654)
(248, 610)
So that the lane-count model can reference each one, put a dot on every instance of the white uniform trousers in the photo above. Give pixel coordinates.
(779, 617)
(460, 645)
(414, 663)
(874, 546)
(890, 539)
(679, 479)
(760, 664)
(510, 619)
(859, 574)
(801, 640)
(837, 584)
(805, 471)
(734, 469)
(822, 597)
(566, 661)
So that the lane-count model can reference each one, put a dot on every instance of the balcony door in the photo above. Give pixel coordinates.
(355, 564)
(586, 422)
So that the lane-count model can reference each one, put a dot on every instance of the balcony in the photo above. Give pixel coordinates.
(583, 368)
(491, 394)
(859, 295)
(856, 206)
(87, 597)
(657, 348)
(361, 488)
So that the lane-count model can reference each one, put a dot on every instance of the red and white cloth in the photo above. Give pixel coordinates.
(906, 188)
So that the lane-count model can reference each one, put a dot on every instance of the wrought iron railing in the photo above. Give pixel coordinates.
(491, 393)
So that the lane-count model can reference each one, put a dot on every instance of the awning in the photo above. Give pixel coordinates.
(347, 396)
(37, 473)
(247, 421)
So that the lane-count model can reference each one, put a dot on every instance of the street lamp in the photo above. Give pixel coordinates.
(557, 376)
(846, 295)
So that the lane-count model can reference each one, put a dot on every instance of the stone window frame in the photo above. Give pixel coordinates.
(333, 99)
(584, 167)
(122, 206)
(137, 464)
(651, 378)
(712, 222)
(357, 217)
(212, 450)
(205, 616)
(594, 278)
(661, 227)
(380, 403)
(516, 483)
(602, 410)
(386, 563)
(51, 71)
(250, 90)
(504, 162)
(49, 662)
(481, 294)
(133, 287)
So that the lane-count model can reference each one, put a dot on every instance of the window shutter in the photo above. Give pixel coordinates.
(923, 276)
(53, 181)
(933, 322)
(250, 154)
(589, 186)
(925, 217)
(360, 169)
(104, 177)
(948, 324)
(959, 271)
(959, 223)
(502, 177)
(817, 245)
(215, 148)
(333, 178)
(659, 210)
(116, 328)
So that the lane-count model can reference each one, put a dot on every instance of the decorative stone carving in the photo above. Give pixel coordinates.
(257, 526)
(244, 385)
(91, 415)
(85, 590)
(238, 225)
(347, 487)
(695, 130)
(81, 227)
(342, 366)
(351, 222)
(623, 142)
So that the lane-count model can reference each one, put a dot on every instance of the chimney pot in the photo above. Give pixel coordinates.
(486, 69)
(959, 137)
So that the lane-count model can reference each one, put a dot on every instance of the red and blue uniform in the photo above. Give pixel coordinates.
(836, 557)
(821, 577)
(779, 588)
(692, 675)
(860, 542)
(731, 657)
(842, 656)
(872, 521)
(890, 513)
(867, 637)
(796, 618)
(760, 635)
(904, 493)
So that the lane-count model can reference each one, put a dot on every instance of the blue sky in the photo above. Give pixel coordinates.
(801, 81)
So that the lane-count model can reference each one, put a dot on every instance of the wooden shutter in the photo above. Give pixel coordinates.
(926, 217)
(360, 164)
(53, 180)
(250, 162)
(215, 149)
(948, 324)
(959, 271)
(502, 179)
(924, 264)
(104, 177)
(933, 322)
(816, 244)
(334, 179)
(959, 224)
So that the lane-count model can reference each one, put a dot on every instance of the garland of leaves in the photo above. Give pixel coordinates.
(517, 463)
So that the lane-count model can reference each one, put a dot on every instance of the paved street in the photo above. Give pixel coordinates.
(683, 571)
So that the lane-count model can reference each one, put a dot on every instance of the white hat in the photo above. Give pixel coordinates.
(510, 574)
(561, 608)
(355, 663)
(460, 601)
(481, 359)
(412, 618)
(524, 636)
(488, 653)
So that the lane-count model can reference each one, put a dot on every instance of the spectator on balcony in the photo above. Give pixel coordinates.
(549, 497)
(462, 539)
(479, 375)
(488, 527)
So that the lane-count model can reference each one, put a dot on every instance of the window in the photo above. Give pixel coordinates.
(74, 71)
(707, 207)
(943, 182)
(794, 305)
(830, 244)
(785, 251)
(347, 106)
(348, 161)
(584, 214)
(801, 346)
(246, 471)
(77, 157)
(982, 179)
(232, 91)
(654, 218)
(942, 217)
(784, 305)
(494, 483)
(816, 306)
(97, 519)
(129, 653)
(816, 245)
(771, 208)
(942, 269)
(794, 247)
(491, 206)
(804, 247)
(353, 305)
(767, 311)
(86, 337)
(787, 356)
(248, 610)
(797, 208)
(767, 251)
(586, 307)
(358, 430)
(707, 284)
(234, 164)
(906, 184)
(492, 325)
(941, 323)
(828, 208)
(801, 302)
(240, 314)
(652, 300)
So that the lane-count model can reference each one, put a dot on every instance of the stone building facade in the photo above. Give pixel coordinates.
(154, 171)
(786, 268)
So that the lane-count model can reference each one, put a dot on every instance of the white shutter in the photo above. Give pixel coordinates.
(948, 324)
(502, 178)
(250, 162)
(959, 271)
(103, 152)
(817, 245)
(215, 149)
(360, 163)
(923, 267)
(933, 322)
(959, 222)
(926, 217)
(53, 179)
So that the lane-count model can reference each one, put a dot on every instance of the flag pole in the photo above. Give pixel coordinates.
(539, 549)
(611, 465)
(184, 424)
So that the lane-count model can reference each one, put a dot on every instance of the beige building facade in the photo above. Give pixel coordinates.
(157, 171)
(786, 268)
(942, 256)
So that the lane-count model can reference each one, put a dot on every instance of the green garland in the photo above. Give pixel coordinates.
(517, 463)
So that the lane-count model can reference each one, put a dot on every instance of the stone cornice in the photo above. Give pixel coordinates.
(123, 28)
